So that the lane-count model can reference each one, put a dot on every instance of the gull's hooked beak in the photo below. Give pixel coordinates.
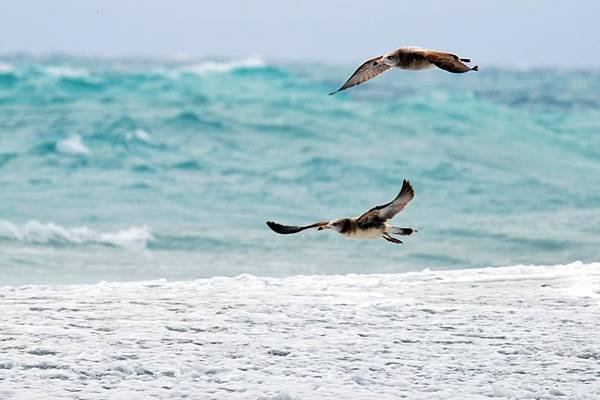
(323, 227)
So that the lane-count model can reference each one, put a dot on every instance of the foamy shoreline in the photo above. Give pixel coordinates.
(513, 332)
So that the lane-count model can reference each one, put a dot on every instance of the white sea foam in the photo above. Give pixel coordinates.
(465, 334)
(139, 134)
(59, 71)
(72, 145)
(34, 231)
(224, 66)
(581, 286)
(6, 68)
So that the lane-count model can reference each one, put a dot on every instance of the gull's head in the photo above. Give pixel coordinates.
(388, 59)
(336, 224)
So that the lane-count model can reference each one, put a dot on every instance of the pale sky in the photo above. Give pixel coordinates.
(506, 33)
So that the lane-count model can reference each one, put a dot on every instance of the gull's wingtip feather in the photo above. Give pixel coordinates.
(274, 226)
(407, 188)
(283, 229)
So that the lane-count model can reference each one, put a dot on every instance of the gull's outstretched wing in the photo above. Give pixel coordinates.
(387, 211)
(286, 229)
(368, 70)
(448, 61)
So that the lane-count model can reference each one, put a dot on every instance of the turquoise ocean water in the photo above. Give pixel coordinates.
(133, 169)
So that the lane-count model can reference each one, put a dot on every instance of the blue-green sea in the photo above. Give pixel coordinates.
(145, 169)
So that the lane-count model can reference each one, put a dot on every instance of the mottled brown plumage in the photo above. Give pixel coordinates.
(410, 58)
(389, 210)
(370, 225)
(368, 70)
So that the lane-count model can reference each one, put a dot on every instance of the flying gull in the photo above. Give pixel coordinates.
(370, 225)
(411, 58)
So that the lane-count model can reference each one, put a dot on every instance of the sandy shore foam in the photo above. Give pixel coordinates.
(514, 332)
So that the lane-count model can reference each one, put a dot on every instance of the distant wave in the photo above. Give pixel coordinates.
(6, 69)
(59, 71)
(93, 75)
(72, 145)
(139, 134)
(34, 231)
(225, 66)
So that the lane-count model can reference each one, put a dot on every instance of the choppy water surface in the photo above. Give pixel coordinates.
(129, 170)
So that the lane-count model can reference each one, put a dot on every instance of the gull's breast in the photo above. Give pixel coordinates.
(415, 64)
(366, 233)
(411, 58)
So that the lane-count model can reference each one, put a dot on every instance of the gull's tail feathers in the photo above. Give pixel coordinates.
(394, 230)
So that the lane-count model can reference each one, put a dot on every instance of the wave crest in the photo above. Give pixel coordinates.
(34, 231)
(61, 71)
(225, 66)
(72, 145)
(139, 134)
(6, 69)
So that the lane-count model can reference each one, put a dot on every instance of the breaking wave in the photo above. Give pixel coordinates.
(72, 145)
(37, 232)
(139, 134)
(59, 71)
(254, 62)
(6, 69)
